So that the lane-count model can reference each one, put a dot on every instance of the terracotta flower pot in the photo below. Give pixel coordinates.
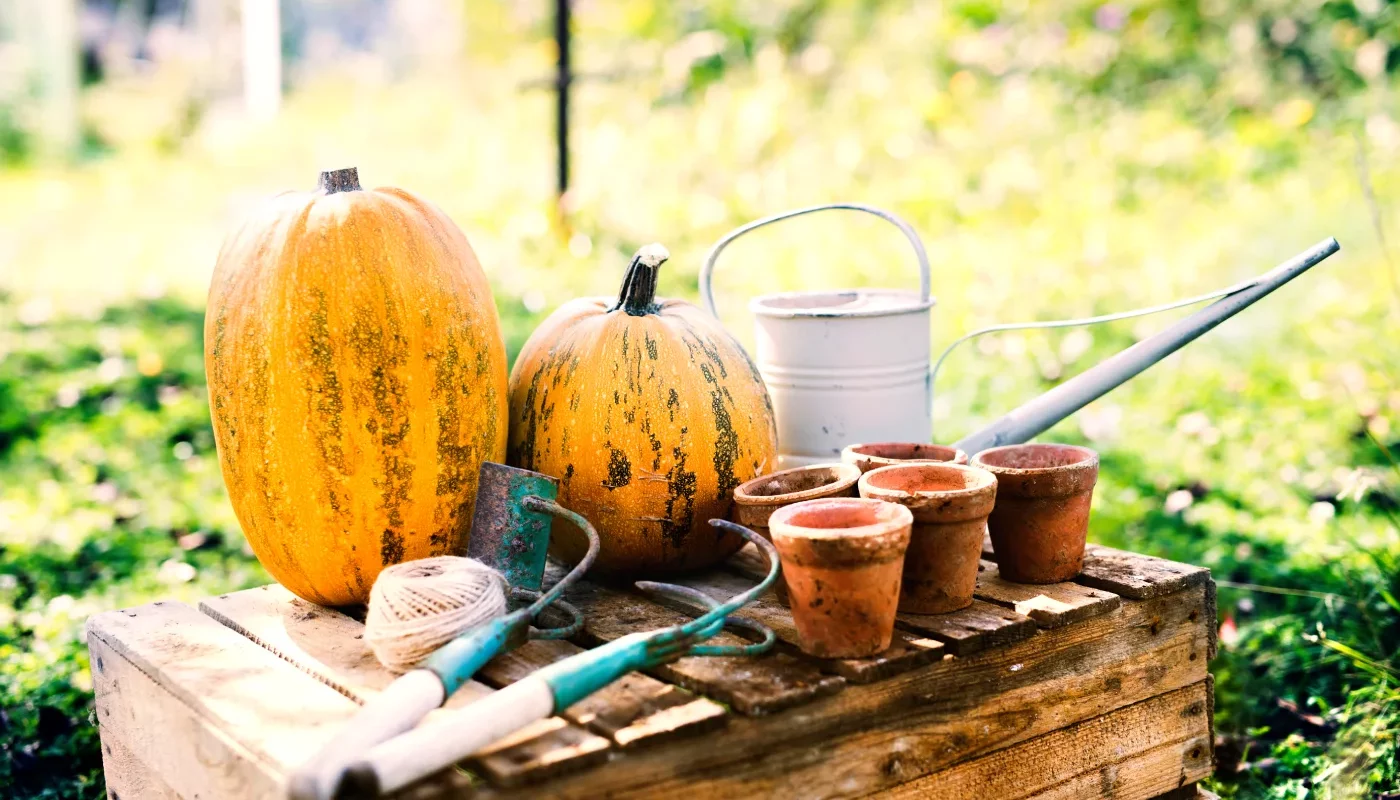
(842, 558)
(1042, 514)
(882, 454)
(756, 500)
(950, 504)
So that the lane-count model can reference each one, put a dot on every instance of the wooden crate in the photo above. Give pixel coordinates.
(1096, 688)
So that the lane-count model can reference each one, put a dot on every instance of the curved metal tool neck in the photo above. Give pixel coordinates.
(1043, 412)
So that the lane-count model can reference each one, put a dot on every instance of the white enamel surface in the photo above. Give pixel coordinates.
(844, 367)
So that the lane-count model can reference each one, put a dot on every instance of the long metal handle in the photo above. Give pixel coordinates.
(1039, 414)
(707, 269)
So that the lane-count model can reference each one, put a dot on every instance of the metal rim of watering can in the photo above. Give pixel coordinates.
(925, 298)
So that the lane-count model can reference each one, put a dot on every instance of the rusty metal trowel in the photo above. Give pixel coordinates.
(510, 532)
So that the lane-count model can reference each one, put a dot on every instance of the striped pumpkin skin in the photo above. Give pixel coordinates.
(648, 421)
(357, 380)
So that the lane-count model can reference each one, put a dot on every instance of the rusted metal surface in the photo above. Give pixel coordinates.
(508, 533)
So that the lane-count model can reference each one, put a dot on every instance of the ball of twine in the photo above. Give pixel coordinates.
(418, 606)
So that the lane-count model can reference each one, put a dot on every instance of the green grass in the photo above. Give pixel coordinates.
(1265, 451)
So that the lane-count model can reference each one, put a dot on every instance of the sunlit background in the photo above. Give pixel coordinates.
(1059, 158)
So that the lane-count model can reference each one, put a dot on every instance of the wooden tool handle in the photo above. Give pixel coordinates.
(398, 762)
(398, 708)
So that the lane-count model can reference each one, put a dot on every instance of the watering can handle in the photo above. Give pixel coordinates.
(707, 294)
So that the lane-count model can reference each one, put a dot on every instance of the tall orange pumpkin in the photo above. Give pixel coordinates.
(649, 414)
(357, 379)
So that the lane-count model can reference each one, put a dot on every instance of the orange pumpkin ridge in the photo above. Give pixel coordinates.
(649, 413)
(357, 378)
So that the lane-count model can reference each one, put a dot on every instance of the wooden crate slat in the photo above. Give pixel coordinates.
(1137, 576)
(320, 641)
(1128, 574)
(1047, 762)
(1142, 777)
(932, 718)
(636, 710)
(1050, 605)
(127, 777)
(907, 651)
(207, 710)
(330, 646)
(978, 627)
(755, 685)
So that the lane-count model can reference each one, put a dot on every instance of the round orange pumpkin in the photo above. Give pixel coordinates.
(357, 380)
(649, 414)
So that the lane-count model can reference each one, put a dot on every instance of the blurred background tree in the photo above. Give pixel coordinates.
(1061, 157)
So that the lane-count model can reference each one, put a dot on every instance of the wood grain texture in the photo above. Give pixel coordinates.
(1137, 576)
(632, 711)
(209, 712)
(1088, 748)
(869, 738)
(978, 627)
(751, 686)
(329, 645)
(127, 778)
(1050, 605)
(907, 651)
(1142, 777)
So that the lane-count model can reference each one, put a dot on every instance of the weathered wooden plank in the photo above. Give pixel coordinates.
(978, 627)
(1142, 777)
(127, 778)
(208, 711)
(330, 646)
(1044, 763)
(1050, 605)
(550, 747)
(1131, 575)
(1137, 576)
(636, 710)
(752, 685)
(907, 651)
(322, 642)
(870, 738)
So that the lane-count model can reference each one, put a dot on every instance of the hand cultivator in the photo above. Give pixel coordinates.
(410, 756)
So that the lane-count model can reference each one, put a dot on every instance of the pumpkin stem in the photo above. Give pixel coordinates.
(638, 294)
(340, 180)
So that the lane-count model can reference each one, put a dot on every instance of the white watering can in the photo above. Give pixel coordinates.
(853, 365)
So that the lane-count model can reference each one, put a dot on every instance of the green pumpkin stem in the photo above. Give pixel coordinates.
(340, 180)
(638, 293)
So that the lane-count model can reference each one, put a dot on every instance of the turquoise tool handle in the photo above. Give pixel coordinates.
(458, 660)
(578, 676)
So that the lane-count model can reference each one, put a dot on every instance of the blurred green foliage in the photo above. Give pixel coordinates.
(1060, 158)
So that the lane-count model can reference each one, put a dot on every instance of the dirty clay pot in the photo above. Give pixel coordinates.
(874, 455)
(950, 504)
(842, 558)
(1041, 517)
(756, 500)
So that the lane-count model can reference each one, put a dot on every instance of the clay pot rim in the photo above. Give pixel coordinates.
(845, 479)
(853, 451)
(1090, 461)
(891, 518)
(988, 482)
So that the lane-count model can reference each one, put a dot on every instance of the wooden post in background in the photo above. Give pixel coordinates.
(53, 33)
(262, 58)
(563, 81)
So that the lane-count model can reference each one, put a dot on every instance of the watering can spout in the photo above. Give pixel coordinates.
(1044, 411)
